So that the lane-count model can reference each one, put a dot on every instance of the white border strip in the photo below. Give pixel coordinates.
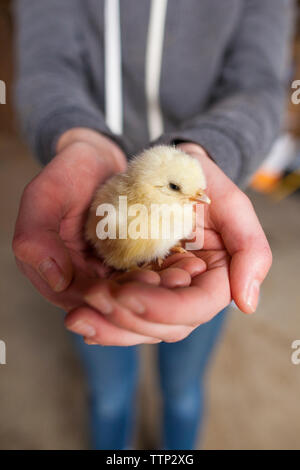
(113, 66)
(154, 52)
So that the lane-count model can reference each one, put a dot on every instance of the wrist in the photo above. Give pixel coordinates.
(196, 151)
(106, 148)
(193, 149)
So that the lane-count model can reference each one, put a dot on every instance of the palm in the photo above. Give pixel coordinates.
(72, 181)
(88, 269)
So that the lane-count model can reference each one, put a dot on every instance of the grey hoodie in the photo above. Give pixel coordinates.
(155, 71)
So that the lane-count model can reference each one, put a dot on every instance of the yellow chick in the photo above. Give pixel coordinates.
(126, 207)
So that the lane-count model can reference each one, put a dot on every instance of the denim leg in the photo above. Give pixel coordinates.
(182, 368)
(111, 374)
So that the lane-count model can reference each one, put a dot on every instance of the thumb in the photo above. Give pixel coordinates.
(248, 269)
(248, 246)
(46, 253)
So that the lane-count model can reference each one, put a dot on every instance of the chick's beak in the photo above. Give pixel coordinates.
(201, 196)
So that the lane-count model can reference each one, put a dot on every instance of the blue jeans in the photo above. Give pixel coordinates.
(112, 374)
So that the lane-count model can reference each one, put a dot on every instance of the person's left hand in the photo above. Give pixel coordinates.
(237, 257)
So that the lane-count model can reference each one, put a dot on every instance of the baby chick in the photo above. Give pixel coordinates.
(161, 175)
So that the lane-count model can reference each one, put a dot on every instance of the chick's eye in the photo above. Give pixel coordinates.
(174, 187)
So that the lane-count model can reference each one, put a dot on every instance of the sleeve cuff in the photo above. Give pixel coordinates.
(218, 145)
(55, 124)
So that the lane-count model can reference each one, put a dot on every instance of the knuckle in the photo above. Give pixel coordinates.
(178, 335)
(267, 255)
(20, 246)
(102, 341)
(124, 290)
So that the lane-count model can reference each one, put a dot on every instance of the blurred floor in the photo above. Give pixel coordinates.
(253, 386)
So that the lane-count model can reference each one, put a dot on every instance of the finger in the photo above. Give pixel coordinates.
(190, 264)
(99, 267)
(147, 276)
(194, 305)
(96, 329)
(248, 269)
(247, 244)
(191, 306)
(122, 317)
(174, 277)
(173, 258)
(37, 242)
(179, 269)
(45, 252)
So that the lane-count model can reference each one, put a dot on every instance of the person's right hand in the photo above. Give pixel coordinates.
(237, 258)
(48, 242)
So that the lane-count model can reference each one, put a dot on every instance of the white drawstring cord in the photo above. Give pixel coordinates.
(155, 42)
(113, 67)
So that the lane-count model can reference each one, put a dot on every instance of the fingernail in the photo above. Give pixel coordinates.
(51, 273)
(132, 304)
(253, 294)
(90, 342)
(82, 328)
(100, 302)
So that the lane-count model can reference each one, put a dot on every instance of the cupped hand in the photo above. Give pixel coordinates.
(237, 258)
(49, 245)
